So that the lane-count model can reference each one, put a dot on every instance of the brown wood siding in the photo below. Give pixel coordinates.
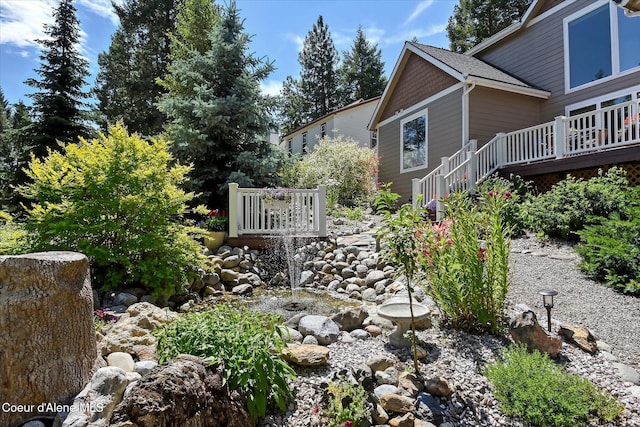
(549, 4)
(536, 55)
(492, 111)
(418, 80)
(444, 129)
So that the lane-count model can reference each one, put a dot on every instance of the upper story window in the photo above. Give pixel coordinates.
(323, 130)
(600, 42)
(290, 146)
(305, 149)
(413, 142)
(374, 139)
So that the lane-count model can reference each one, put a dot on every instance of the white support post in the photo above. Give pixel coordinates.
(501, 149)
(473, 145)
(444, 161)
(233, 209)
(415, 192)
(322, 211)
(560, 136)
(440, 191)
(472, 171)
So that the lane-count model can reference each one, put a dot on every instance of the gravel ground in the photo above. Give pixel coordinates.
(459, 358)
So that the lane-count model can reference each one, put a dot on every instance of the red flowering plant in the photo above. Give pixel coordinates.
(214, 219)
(465, 259)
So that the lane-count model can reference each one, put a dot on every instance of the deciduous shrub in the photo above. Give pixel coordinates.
(511, 211)
(385, 200)
(245, 340)
(114, 199)
(532, 387)
(466, 261)
(347, 404)
(338, 160)
(566, 208)
(610, 248)
(13, 236)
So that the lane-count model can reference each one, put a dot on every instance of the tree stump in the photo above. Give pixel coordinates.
(47, 338)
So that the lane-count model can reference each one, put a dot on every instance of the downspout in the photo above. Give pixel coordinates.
(468, 87)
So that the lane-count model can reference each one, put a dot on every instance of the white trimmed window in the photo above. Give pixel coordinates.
(600, 43)
(290, 146)
(323, 130)
(305, 148)
(413, 142)
(374, 139)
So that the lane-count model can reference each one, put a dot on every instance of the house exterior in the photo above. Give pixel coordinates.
(349, 121)
(549, 94)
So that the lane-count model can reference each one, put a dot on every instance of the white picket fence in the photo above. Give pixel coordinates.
(270, 211)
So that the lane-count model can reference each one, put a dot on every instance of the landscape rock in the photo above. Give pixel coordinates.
(306, 278)
(374, 276)
(406, 420)
(380, 362)
(373, 330)
(379, 415)
(438, 386)
(182, 392)
(306, 354)
(524, 328)
(360, 334)
(245, 289)
(322, 328)
(121, 360)
(310, 339)
(126, 299)
(428, 407)
(409, 384)
(627, 373)
(350, 319)
(385, 389)
(229, 275)
(397, 403)
(95, 404)
(580, 336)
(143, 367)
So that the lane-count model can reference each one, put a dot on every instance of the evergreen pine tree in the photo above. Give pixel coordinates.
(127, 86)
(15, 151)
(473, 21)
(5, 111)
(362, 71)
(218, 117)
(318, 82)
(59, 101)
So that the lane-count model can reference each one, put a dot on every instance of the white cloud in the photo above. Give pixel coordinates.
(299, 41)
(102, 8)
(374, 34)
(421, 7)
(271, 87)
(23, 21)
(420, 34)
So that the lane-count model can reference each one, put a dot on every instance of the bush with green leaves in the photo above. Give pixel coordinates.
(347, 404)
(338, 161)
(568, 206)
(465, 259)
(532, 387)
(115, 199)
(248, 342)
(385, 200)
(520, 191)
(13, 236)
(610, 247)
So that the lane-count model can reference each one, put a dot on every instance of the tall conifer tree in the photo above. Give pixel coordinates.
(218, 116)
(362, 71)
(59, 101)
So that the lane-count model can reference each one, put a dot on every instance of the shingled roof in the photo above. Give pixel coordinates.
(469, 65)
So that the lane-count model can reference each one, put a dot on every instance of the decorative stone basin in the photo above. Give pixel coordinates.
(398, 312)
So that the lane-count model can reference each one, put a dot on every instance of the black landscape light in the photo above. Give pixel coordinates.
(547, 300)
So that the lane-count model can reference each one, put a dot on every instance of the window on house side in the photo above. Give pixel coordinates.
(414, 142)
(590, 47)
(323, 130)
(304, 143)
(374, 139)
(629, 40)
(290, 146)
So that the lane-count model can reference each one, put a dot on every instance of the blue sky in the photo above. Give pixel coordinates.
(278, 28)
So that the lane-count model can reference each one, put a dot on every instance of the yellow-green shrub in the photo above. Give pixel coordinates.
(113, 199)
(12, 236)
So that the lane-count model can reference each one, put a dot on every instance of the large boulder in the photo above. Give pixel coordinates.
(350, 319)
(322, 328)
(48, 342)
(306, 354)
(132, 333)
(580, 336)
(524, 328)
(182, 392)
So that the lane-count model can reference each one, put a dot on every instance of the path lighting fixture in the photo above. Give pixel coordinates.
(547, 300)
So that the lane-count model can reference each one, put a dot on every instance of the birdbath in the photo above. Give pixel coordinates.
(398, 312)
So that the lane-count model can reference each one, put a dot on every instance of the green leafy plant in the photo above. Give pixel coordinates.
(13, 236)
(114, 199)
(569, 205)
(511, 211)
(534, 388)
(347, 405)
(610, 248)
(466, 261)
(214, 220)
(339, 161)
(401, 232)
(385, 200)
(248, 342)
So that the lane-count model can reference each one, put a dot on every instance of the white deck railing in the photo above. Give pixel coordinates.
(601, 129)
(277, 211)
